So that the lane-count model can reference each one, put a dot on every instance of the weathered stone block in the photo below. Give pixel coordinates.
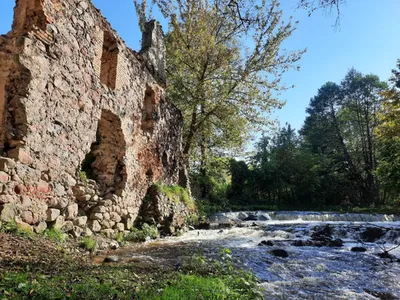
(71, 211)
(42, 226)
(81, 221)
(68, 226)
(96, 216)
(76, 231)
(120, 227)
(6, 164)
(52, 214)
(58, 223)
(115, 217)
(7, 212)
(100, 209)
(107, 232)
(27, 217)
(26, 201)
(95, 226)
(4, 177)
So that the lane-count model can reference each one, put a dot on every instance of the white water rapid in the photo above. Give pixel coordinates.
(321, 261)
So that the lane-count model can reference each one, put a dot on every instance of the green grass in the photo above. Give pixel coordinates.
(17, 229)
(88, 243)
(37, 286)
(55, 235)
(203, 278)
(140, 235)
(194, 287)
(69, 278)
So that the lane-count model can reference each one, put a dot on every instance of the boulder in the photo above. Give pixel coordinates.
(266, 243)
(7, 212)
(42, 226)
(322, 234)
(251, 217)
(336, 243)
(358, 249)
(95, 226)
(58, 223)
(302, 243)
(81, 221)
(52, 214)
(279, 253)
(111, 259)
(71, 211)
(371, 234)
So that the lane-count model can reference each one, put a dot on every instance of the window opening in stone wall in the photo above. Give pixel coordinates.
(105, 161)
(28, 15)
(13, 123)
(149, 112)
(109, 61)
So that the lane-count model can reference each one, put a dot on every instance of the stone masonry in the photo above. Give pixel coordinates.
(84, 124)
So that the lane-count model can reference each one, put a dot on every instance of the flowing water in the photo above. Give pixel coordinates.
(309, 272)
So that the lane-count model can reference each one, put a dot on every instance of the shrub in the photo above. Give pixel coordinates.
(55, 235)
(88, 243)
(140, 235)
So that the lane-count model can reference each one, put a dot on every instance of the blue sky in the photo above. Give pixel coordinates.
(368, 40)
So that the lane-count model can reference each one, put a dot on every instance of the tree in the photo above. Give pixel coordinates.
(224, 59)
(326, 5)
(340, 127)
(388, 134)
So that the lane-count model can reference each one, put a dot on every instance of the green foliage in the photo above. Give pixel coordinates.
(9, 227)
(35, 286)
(221, 88)
(345, 156)
(211, 182)
(140, 235)
(177, 194)
(55, 235)
(88, 243)
(17, 229)
(205, 278)
(82, 176)
(193, 287)
(388, 135)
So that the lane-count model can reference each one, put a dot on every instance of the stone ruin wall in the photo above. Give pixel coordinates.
(73, 96)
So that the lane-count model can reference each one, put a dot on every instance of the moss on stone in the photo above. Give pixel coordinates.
(177, 194)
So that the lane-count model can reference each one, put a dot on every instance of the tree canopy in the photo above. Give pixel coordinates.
(224, 62)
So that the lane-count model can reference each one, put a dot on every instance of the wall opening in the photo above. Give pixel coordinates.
(109, 60)
(105, 161)
(13, 122)
(28, 15)
(149, 110)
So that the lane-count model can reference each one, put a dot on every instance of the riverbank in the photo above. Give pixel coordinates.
(36, 267)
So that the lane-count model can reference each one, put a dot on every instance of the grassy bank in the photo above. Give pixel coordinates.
(36, 267)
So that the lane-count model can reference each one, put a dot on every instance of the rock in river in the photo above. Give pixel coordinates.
(112, 259)
(279, 253)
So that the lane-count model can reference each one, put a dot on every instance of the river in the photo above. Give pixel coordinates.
(320, 263)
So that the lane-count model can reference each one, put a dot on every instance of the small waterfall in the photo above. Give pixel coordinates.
(302, 216)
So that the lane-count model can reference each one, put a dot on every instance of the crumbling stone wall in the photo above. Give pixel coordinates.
(84, 124)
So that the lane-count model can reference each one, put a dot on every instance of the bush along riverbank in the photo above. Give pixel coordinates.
(51, 266)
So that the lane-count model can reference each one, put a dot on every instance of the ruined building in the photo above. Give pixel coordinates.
(84, 124)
